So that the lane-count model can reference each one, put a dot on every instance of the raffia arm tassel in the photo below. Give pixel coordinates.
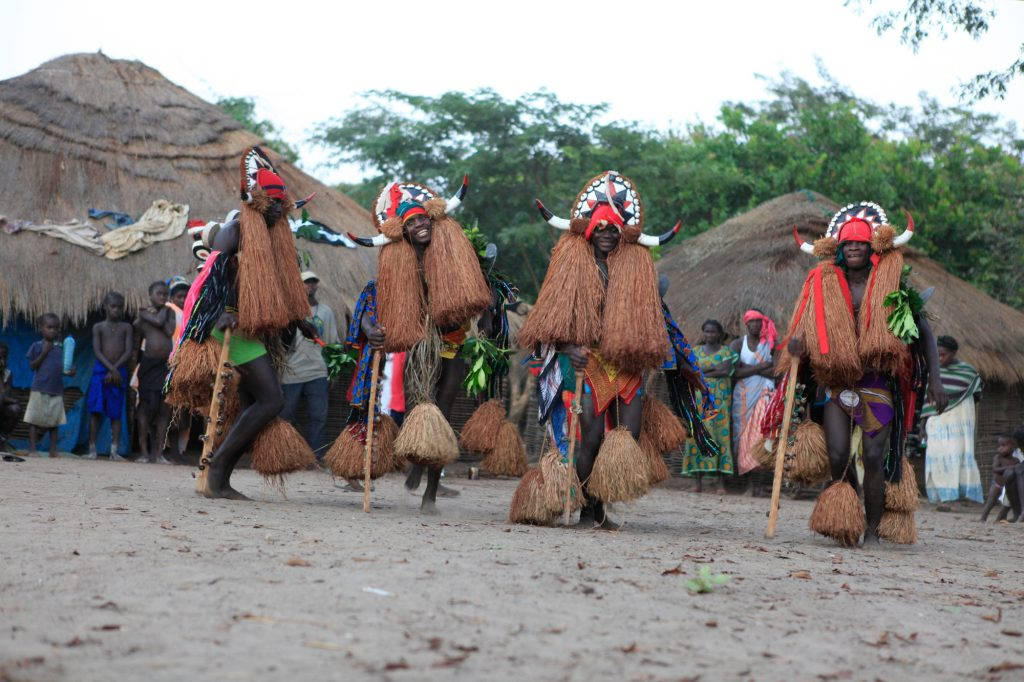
(279, 449)
(558, 476)
(881, 240)
(903, 496)
(528, 501)
(810, 462)
(195, 367)
(657, 470)
(838, 514)
(346, 456)
(898, 527)
(481, 430)
(508, 458)
(764, 453)
(426, 437)
(620, 469)
(661, 425)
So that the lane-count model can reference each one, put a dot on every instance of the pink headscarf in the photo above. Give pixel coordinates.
(768, 332)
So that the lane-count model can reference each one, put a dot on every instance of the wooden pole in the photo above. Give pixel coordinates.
(215, 412)
(780, 449)
(368, 452)
(574, 410)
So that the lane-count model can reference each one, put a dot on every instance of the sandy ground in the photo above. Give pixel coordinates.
(118, 571)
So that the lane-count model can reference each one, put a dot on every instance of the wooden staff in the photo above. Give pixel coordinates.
(215, 412)
(780, 450)
(573, 411)
(368, 452)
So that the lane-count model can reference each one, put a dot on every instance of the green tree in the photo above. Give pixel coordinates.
(920, 18)
(243, 110)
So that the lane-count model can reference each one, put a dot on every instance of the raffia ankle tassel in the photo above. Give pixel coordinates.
(345, 458)
(902, 496)
(898, 527)
(838, 514)
(661, 425)
(426, 437)
(481, 430)
(279, 449)
(508, 458)
(528, 501)
(558, 476)
(620, 469)
(657, 470)
(810, 461)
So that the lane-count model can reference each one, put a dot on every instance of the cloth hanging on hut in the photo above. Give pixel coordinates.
(73, 232)
(161, 221)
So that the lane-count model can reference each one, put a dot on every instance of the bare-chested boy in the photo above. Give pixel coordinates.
(154, 325)
(112, 344)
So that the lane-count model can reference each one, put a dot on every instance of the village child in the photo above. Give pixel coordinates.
(112, 344)
(45, 410)
(155, 325)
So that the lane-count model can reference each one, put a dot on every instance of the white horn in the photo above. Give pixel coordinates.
(907, 234)
(551, 218)
(456, 200)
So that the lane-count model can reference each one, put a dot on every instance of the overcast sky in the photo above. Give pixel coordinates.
(663, 63)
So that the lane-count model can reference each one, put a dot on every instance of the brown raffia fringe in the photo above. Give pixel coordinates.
(661, 425)
(557, 478)
(898, 527)
(528, 501)
(633, 334)
(346, 457)
(508, 458)
(282, 241)
(810, 455)
(455, 285)
(263, 300)
(838, 514)
(401, 307)
(620, 469)
(657, 470)
(903, 496)
(426, 437)
(877, 346)
(841, 366)
(881, 240)
(279, 449)
(481, 430)
(194, 365)
(568, 307)
(765, 458)
(826, 249)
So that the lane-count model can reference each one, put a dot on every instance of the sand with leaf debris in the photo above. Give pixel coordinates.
(118, 571)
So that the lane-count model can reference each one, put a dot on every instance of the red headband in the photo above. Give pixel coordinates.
(855, 230)
(271, 183)
(603, 213)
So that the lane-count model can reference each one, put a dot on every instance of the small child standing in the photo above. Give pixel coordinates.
(45, 410)
(1002, 464)
(112, 344)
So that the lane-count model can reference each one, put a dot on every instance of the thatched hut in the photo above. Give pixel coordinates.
(751, 261)
(86, 131)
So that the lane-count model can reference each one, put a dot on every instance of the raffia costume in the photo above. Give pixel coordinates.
(629, 332)
(425, 308)
(261, 284)
(865, 361)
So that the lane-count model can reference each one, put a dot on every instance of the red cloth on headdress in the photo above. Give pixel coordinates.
(271, 183)
(855, 230)
(768, 331)
(603, 213)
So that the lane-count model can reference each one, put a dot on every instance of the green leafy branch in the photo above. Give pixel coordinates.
(337, 358)
(906, 304)
(485, 358)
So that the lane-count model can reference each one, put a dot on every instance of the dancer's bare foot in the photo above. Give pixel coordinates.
(232, 494)
(870, 538)
(428, 507)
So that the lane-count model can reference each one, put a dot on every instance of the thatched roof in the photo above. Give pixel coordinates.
(752, 261)
(86, 131)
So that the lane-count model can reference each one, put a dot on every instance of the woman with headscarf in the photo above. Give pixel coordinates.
(754, 384)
